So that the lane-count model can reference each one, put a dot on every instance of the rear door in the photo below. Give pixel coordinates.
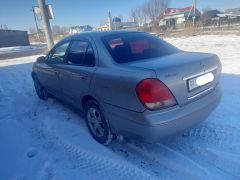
(76, 73)
(48, 73)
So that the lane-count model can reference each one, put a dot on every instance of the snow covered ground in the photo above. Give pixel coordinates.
(21, 48)
(49, 140)
(21, 51)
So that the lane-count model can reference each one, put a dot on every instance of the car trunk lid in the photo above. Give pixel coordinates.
(179, 71)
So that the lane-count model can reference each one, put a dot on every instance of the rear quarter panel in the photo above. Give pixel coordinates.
(114, 83)
(117, 86)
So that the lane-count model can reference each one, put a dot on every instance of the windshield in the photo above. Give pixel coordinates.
(128, 47)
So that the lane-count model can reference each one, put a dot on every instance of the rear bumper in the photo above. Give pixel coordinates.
(154, 125)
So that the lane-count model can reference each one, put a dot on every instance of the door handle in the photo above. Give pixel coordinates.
(83, 76)
(54, 72)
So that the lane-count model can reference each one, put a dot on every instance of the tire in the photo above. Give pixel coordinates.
(97, 124)
(40, 90)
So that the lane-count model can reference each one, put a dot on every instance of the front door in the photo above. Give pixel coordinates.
(48, 72)
(78, 69)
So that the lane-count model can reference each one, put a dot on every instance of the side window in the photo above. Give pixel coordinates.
(81, 53)
(89, 59)
(58, 54)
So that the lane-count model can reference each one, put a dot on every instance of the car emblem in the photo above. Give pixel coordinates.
(203, 66)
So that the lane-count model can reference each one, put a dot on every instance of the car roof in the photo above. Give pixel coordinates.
(103, 33)
(97, 34)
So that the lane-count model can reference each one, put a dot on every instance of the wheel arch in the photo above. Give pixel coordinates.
(85, 99)
(33, 74)
(111, 135)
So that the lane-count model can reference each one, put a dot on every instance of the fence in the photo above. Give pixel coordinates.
(9, 38)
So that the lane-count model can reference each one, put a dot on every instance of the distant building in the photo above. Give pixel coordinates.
(234, 12)
(10, 38)
(231, 16)
(117, 24)
(218, 20)
(116, 20)
(178, 17)
(102, 28)
(79, 29)
(209, 15)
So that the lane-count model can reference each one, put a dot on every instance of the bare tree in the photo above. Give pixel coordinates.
(59, 30)
(139, 15)
(149, 11)
(56, 30)
(64, 30)
(32, 30)
(153, 8)
(144, 12)
(133, 16)
(206, 9)
(5, 27)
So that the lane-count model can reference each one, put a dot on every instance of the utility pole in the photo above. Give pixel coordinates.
(109, 21)
(35, 18)
(46, 23)
(194, 12)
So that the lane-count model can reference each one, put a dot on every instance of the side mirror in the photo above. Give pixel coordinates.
(41, 59)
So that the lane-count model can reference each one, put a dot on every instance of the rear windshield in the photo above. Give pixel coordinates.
(128, 47)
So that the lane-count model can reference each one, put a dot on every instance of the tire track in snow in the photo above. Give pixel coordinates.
(209, 134)
(89, 162)
(210, 145)
(136, 155)
(93, 165)
(82, 160)
(184, 158)
(226, 162)
(171, 160)
(213, 134)
(47, 172)
(202, 133)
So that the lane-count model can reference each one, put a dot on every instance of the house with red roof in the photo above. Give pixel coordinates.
(173, 18)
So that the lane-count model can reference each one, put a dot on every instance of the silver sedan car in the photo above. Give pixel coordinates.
(130, 84)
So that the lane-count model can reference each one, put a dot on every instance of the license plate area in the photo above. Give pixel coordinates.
(200, 81)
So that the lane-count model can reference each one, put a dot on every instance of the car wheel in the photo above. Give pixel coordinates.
(97, 124)
(40, 90)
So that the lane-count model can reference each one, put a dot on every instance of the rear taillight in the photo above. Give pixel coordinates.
(153, 94)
